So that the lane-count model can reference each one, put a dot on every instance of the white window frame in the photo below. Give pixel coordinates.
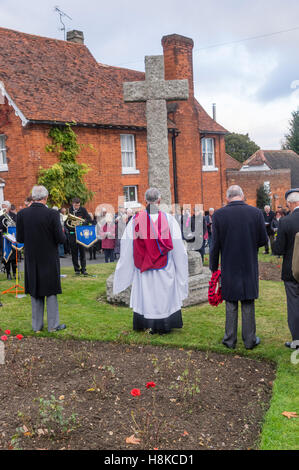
(128, 170)
(267, 186)
(3, 160)
(204, 148)
(131, 204)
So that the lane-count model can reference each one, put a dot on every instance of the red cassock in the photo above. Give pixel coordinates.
(152, 241)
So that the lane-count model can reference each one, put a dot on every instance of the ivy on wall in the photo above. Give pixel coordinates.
(65, 179)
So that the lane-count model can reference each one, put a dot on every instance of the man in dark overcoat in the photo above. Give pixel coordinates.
(39, 228)
(284, 245)
(238, 232)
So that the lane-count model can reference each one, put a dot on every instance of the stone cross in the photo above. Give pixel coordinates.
(155, 91)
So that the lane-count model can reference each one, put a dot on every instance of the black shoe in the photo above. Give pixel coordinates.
(289, 344)
(59, 327)
(229, 347)
(257, 342)
(9, 277)
(77, 273)
(85, 273)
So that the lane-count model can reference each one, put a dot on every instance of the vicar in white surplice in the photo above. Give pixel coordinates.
(154, 260)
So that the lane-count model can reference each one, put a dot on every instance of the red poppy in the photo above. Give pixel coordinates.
(150, 385)
(7, 332)
(4, 338)
(20, 337)
(135, 392)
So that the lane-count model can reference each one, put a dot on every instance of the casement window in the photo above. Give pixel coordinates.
(208, 154)
(128, 159)
(3, 161)
(131, 197)
(267, 186)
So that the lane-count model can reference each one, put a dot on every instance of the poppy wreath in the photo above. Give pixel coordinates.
(214, 294)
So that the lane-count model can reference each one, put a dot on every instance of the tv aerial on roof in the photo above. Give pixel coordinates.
(61, 15)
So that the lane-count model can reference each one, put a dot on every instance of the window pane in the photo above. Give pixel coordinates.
(127, 151)
(126, 193)
(2, 142)
(132, 193)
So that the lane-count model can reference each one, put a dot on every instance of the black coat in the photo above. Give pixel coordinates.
(238, 232)
(268, 219)
(39, 228)
(284, 244)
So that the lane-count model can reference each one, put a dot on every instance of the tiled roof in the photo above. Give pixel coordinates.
(60, 81)
(231, 163)
(206, 123)
(277, 160)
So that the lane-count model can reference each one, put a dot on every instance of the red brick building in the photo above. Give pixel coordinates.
(277, 170)
(47, 82)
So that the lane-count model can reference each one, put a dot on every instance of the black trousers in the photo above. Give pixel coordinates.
(292, 292)
(76, 250)
(109, 255)
(11, 264)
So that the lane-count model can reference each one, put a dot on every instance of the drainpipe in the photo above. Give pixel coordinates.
(175, 134)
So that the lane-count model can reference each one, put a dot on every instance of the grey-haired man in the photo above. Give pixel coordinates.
(39, 228)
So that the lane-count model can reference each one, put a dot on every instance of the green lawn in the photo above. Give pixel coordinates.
(87, 318)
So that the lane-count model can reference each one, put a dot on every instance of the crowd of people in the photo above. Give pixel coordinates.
(156, 263)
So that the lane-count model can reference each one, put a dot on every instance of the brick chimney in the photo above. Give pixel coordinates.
(75, 36)
(178, 59)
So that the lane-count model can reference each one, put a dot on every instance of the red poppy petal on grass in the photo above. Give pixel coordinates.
(7, 332)
(135, 392)
(20, 337)
(4, 338)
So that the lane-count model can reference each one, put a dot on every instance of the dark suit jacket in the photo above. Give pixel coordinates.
(284, 244)
(238, 232)
(39, 228)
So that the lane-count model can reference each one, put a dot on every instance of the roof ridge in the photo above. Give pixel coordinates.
(42, 37)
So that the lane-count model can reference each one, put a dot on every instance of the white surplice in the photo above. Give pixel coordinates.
(156, 294)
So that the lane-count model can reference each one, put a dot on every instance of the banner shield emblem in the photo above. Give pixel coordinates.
(86, 235)
(9, 243)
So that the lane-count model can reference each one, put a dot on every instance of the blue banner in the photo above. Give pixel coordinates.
(86, 235)
(7, 249)
(9, 245)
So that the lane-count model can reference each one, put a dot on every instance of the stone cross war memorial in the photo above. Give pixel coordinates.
(156, 91)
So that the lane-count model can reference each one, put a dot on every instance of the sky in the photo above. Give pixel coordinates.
(254, 82)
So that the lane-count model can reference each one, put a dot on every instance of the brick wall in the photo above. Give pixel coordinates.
(250, 181)
(101, 150)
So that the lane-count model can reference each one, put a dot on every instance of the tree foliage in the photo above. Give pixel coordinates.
(65, 179)
(262, 197)
(292, 138)
(240, 146)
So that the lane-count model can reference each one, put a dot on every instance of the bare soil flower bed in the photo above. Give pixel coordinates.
(270, 271)
(90, 395)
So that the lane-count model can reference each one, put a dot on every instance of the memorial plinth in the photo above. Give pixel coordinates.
(199, 277)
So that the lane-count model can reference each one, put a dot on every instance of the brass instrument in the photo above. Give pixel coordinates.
(73, 221)
(7, 220)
